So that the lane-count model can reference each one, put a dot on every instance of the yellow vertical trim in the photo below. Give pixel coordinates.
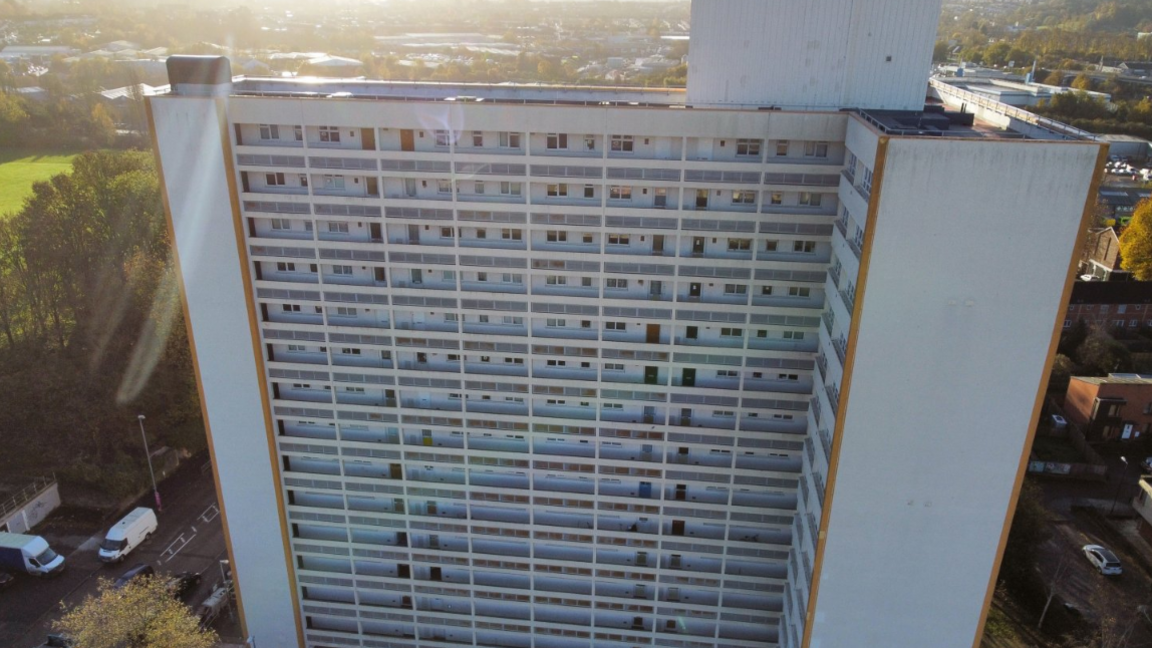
(195, 358)
(845, 386)
(1058, 325)
(258, 354)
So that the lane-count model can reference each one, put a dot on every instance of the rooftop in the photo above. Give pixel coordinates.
(1117, 379)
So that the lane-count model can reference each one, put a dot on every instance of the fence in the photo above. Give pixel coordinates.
(26, 494)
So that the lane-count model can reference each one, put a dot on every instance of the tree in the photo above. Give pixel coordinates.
(1136, 243)
(1055, 78)
(1101, 355)
(1082, 82)
(1028, 531)
(142, 614)
(1062, 370)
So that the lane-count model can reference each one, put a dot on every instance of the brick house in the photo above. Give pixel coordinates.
(1112, 304)
(1116, 408)
(1101, 257)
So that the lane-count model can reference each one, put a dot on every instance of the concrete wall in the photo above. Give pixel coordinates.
(813, 54)
(191, 151)
(32, 512)
(924, 463)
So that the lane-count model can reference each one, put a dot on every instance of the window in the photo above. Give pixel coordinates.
(298, 131)
(739, 244)
(810, 199)
(1122, 308)
(510, 140)
(586, 282)
(447, 232)
(776, 198)
(555, 190)
(513, 360)
(510, 234)
(478, 187)
(1067, 323)
(793, 335)
(333, 182)
(622, 143)
(555, 323)
(557, 363)
(804, 246)
(616, 284)
(441, 138)
(303, 179)
(735, 289)
(615, 326)
(557, 236)
(795, 291)
(614, 406)
(557, 141)
(269, 132)
(285, 267)
(766, 290)
(589, 142)
(556, 280)
(743, 197)
(782, 148)
(444, 186)
(731, 332)
(771, 246)
(483, 319)
(816, 149)
(342, 269)
(274, 179)
(481, 276)
(350, 351)
(346, 311)
(511, 278)
(513, 319)
(477, 139)
(723, 413)
(748, 147)
(297, 347)
(589, 191)
(510, 188)
(329, 134)
(451, 317)
(481, 233)
(338, 228)
(290, 308)
(281, 224)
(787, 376)
(617, 192)
(618, 239)
(727, 373)
(1133, 323)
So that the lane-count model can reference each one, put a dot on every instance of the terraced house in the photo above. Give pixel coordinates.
(570, 367)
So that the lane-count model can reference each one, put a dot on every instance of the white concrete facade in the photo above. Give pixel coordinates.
(812, 55)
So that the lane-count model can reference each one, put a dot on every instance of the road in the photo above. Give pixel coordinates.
(190, 538)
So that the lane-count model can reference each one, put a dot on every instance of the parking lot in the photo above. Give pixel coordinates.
(189, 539)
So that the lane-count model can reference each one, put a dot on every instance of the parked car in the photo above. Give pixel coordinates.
(138, 571)
(1103, 559)
(58, 641)
(1147, 464)
(183, 584)
(137, 527)
(6, 580)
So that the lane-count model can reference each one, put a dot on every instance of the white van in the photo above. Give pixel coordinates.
(127, 534)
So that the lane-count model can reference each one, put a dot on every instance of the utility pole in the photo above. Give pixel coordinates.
(155, 491)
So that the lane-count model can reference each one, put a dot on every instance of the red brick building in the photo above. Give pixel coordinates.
(1116, 408)
(1112, 304)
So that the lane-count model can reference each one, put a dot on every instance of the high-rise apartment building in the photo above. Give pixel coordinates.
(749, 365)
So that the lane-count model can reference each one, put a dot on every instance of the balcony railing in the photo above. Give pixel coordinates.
(819, 488)
(841, 350)
(826, 441)
(833, 397)
(848, 299)
(822, 362)
(829, 319)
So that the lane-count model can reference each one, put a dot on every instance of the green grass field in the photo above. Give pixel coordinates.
(19, 168)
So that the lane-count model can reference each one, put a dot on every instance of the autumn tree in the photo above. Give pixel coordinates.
(141, 614)
(1136, 243)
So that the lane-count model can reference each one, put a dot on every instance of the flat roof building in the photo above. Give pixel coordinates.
(557, 367)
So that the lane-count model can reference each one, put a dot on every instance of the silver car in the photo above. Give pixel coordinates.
(1103, 560)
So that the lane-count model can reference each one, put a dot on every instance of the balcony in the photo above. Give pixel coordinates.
(494, 287)
(780, 344)
(492, 243)
(632, 415)
(566, 291)
(575, 247)
(374, 400)
(766, 424)
(508, 199)
(848, 299)
(482, 328)
(841, 349)
(354, 280)
(814, 300)
(354, 320)
(433, 325)
(575, 333)
(564, 373)
(716, 422)
(497, 407)
(350, 360)
(633, 378)
(718, 342)
(495, 369)
(802, 386)
(686, 296)
(300, 357)
(438, 404)
(564, 411)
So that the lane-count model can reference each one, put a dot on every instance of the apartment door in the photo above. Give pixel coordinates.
(646, 490)
(432, 508)
(655, 289)
(407, 141)
(701, 199)
(413, 234)
(677, 527)
(437, 574)
(433, 542)
(686, 416)
(418, 278)
(377, 234)
(410, 187)
(397, 505)
(658, 245)
(688, 378)
(681, 495)
(426, 437)
(651, 375)
(395, 471)
(639, 591)
(403, 571)
(642, 559)
(638, 622)
(402, 539)
(661, 199)
(673, 593)
(692, 332)
(682, 455)
(653, 334)
(675, 562)
(694, 290)
(379, 275)
(649, 413)
(421, 357)
(373, 187)
(244, 181)
(368, 139)
(697, 246)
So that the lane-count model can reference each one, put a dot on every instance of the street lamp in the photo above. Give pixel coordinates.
(155, 491)
(1119, 486)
